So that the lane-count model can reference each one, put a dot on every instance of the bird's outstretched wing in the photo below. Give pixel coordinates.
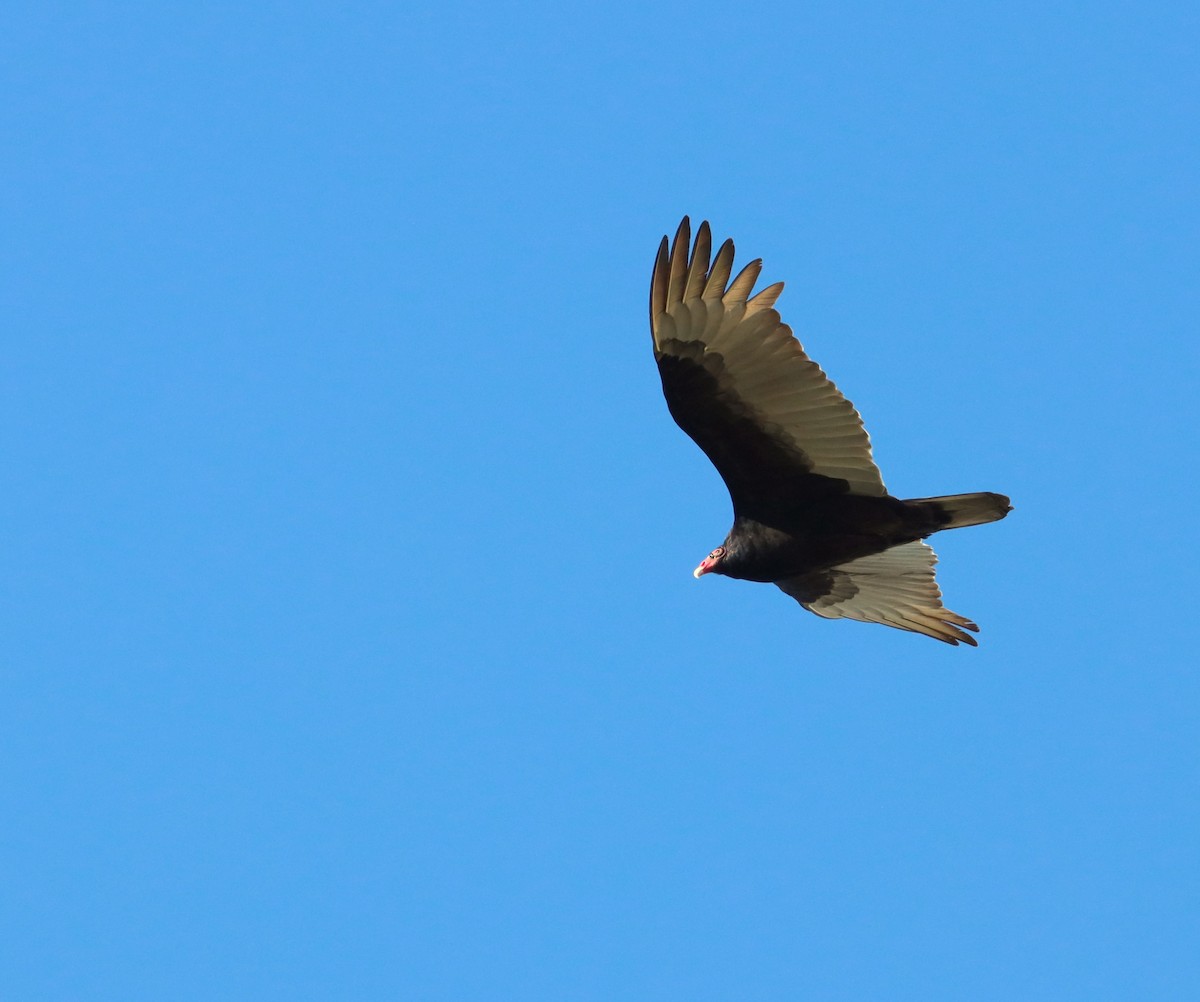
(738, 382)
(895, 588)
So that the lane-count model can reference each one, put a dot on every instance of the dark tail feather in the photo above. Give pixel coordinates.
(956, 510)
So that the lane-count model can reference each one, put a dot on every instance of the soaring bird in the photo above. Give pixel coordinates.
(810, 512)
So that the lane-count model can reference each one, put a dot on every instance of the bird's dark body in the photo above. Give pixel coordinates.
(821, 533)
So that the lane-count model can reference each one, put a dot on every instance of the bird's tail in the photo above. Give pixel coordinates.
(956, 510)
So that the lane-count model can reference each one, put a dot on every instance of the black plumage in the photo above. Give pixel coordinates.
(811, 513)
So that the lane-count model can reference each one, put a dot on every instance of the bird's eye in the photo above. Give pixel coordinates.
(718, 552)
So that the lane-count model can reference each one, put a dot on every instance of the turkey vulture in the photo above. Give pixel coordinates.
(810, 512)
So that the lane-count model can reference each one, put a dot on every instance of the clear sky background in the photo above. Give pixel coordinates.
(351, 648)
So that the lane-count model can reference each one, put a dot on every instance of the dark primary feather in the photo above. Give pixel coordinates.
(810, 510)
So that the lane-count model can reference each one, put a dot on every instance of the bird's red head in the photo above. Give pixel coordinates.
(710, 563)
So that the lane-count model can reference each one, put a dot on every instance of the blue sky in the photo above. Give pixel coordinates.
(352, 649)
